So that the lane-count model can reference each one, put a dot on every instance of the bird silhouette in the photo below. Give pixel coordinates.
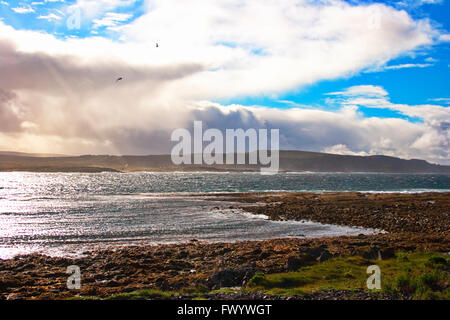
(119, 79)
(157, 45)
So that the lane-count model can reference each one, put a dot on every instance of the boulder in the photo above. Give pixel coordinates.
(230, 277)
(315, 252)
(375, 253)
(318, 254)
(387, 253)
(294, 262)
(324, 256)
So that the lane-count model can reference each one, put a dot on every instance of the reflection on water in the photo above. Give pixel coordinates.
(64, 213)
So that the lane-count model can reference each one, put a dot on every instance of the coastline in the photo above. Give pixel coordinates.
(414, 222)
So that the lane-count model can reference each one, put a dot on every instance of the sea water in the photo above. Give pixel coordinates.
(68, 213)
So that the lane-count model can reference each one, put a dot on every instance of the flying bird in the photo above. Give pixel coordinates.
(157, 45)
(119, 79)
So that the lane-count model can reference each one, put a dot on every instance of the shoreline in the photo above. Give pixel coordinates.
(195, 171)
(392, 212)
(415, 222)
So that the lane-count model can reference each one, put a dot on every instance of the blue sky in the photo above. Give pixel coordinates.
(428, 82)
(363, 67)
(51, 16)
(425, 84)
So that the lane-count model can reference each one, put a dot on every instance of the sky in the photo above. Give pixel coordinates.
(346, 77)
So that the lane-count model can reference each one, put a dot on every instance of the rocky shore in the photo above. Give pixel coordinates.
(412, 221)
(392, 212)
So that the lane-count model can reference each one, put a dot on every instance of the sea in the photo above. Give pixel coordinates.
(70, 214)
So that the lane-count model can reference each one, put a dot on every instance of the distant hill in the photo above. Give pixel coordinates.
(290, 161)
(23, 154)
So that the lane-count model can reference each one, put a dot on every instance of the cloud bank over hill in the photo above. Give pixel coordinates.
(60, 95)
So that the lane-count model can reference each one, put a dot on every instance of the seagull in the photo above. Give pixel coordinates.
(119, 79)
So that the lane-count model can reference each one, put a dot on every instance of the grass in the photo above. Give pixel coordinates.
(145, 294)
(432, 283)
(224, 290)
(420, 275)
(150, 294)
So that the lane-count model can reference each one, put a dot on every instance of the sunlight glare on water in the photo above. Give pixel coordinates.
(66, 213)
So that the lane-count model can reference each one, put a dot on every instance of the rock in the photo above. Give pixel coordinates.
(182, 254)
(9, 282)
(324, 256)
(112, 283)
(14, 296)
(374, 253)
(162, 283)
(293, 263)
(318, 254)
(315, 252)
(230, 277)
(387, 253)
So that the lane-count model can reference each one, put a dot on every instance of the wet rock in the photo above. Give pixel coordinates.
(182, 254)
(9, 282)
(372, 253)
(324, 256)
(376, 253)
(387, 253)
(230, 277)
(295, 262)
(162, 283)
(319, 254)
(14, 296)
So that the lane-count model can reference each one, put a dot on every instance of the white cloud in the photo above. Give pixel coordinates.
(302, 44)
(295, 42)
(408, 65)
(413, 4)
(60, 96)
(94, 8)
(430, 1)
(111, 19)
(366, 90)
(443, 100)
(23, 10)
(445, 37)
(50, 17)
(344, 150)
(431, 59)
(433, 143)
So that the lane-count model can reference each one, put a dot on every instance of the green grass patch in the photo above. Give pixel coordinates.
(421, 275)
(146, 294)
(84, 298)
(224, 290)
